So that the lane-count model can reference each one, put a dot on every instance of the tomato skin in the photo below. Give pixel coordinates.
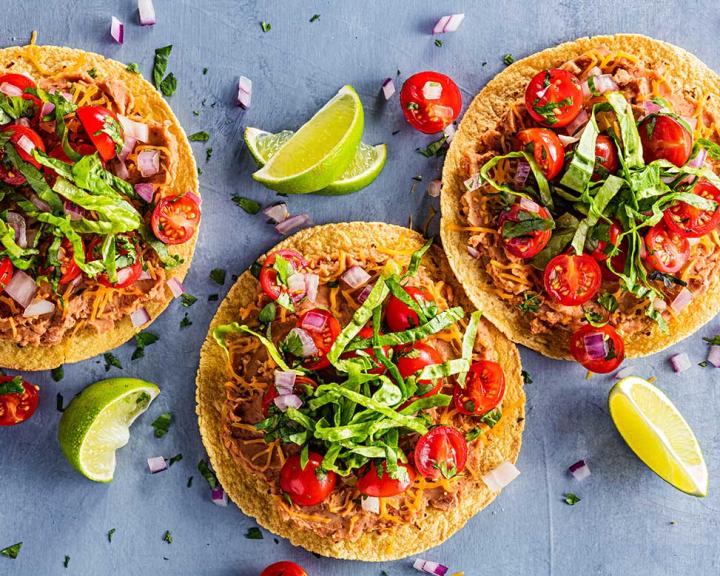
(323, 337)
(284, 568)
(666, 251)
(549, 87)
(430, 116)
(484, 389)
(532, 244)
(175, 219)
(690, 221)
(398, 315)
(413, 357)
(6, 272)
(606, 156)
(18, 407)
(443, 446)
(600, 253)
(23, 83)
(663, 137)
(68, 267)
(614, 344)
(367, 332)
(372, 485)
(18, 132)
(546, 148)
(268, 275)
(572, 279)
(304, 487)
(93, 119)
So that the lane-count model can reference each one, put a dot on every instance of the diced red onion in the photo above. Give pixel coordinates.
(521, 174)
(149, 163)
(681, 300)
(430, 567)
(313, 322)
(285, 381)
(244, 95)
(47, 108)
(529, 205)
(312, 282)
(128, 146)
(157, 464)
(595, 71)
(10, 89)
(699, 159)
(567, 140)
(659, 304)
(364, 293)
(604, 83)
(433, 189)
(692, 122)
(680, 362)
(137, 130)
(24, 143)
(74, 211)
(145, 190)
(473, 183)
(117, 30)
(432, 90)
(624, 372)
(291, 223)
(277, 212)
(31, 233)
(38, 308)
(355, 276)
(296, 286)
(449, 132)
(219, 496)
(448, 23)
(287, 401)
(140, 317)
(145, 275)
(388, 88)
(595, 345)
(38, 203)
(176, 287)
(307, 342)
(580, 470)
(21, 288)
(146, 12)
(651, 107)
(22, 122)
(472, 251)
(119, 168)
(371, 504)
(17, 223)
(578, 122)
(714, 355)
(497, 479)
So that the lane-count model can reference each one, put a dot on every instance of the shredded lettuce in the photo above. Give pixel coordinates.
(542, 183)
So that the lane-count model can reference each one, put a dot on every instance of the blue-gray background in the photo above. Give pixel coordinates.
(628, 521)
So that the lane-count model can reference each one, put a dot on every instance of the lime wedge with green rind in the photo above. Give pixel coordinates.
(97, 423)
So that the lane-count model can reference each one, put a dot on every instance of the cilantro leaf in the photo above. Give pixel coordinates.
(188, 300)
(13, 386)
(217, 275)
(143, 339)
(58, 373)
(133, 68)
(169, 85)
(110, 534)
(185, 322)
(315, 18)
(508, 59)
(111, 361)
(199, 137)
(250, 206)
(571, 499)
(608, 301)
(174, 459)
(437, 148)
(265, 26)
(208, 474)
(254, 533)
(161, 424)
(12, 551)
(167, 537)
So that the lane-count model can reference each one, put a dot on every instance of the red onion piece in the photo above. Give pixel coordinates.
(714, 355)
(296, 286)
(244, 95)
(38, 308)
(355, 276)
(433, 189)
(529, 205)
(449, 132)
(128, 146)
(432, 90)
(146, 12)
(430, 567)
(388, 88)
(23, 122)
(699, 159)
(371, 504)
(17, 223)
(312, 282)
(448, 23)
(578, 122)
(157, 464)
(473, 183)
(285, 381)
(439, 27)
(149, 163)
(472, 251)
(287, 401)
(605, 83)
(140, 317)
(364, 293)
(144, 275)
(580, 470)
(313, 322)
(681, 300)
(595, 345)
(624, 372)
(47, 108)
(117, 30)
(25, 144)
(659, 304)
(497, 479)
(521, 174)
(308, 344)
(680, 362)
(277, 212)
(38, 203)
(21, 288)
(692, 122)
(119, 168)
(10, 89)
(567, 140)
(74, 211)
(219, 496)
(651, 107)
(137, 130)
(293, 222)
(176, 287)
(145, 190)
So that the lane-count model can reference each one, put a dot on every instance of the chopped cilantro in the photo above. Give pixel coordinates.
(474, 434)
(208, 154)
(167, 537)
(266, 26)
(438, 42)
(315, 18)
(208, 474)
(508, 59)
(59, 402)
(213, 297)
(185, 322)
(217, 275)
(12, 551)
(110, 534)
(168, 85)
(417, 178)
(189, 482)
(571, 499)
(608, 301)
(174, 459)
(188, 300)
(133, 67)
(92, 73)
(143, 339)
(436, 148)
(13, 386)
(714, 341)
(549, 109)
(161, 424)
(594, 318)
(196, 112)
(703, 364)
(205, 71)
(527, 379)
(111, 361)
(58, 373)
(254, 533)
(250, 206)
(199, 136)
(531, 303)
(66, 561)
(491, 418)
(267, 314)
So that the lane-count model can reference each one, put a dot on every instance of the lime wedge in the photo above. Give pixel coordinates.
(320, 151)
(362, 171)
(97, 422)
(658, 434)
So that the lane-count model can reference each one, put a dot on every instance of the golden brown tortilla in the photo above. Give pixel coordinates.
(43, 61)
(684, 70)
(251, 493)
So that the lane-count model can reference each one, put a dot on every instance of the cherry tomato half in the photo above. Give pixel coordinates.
(600, 350)
(175, 219)
(6, 272)
(398, 316)
(103, 129)
(553, 97)
(665, 138)
(324, 328)
(530, 244)
(603, 248)
(25, 139)
(268, 274)
(430, 101)
(694, 222)
(18, 407)
(284, 568)
(606, 158)
(572, 279)
(69, 269)
(21, 82)
(372, 484)
(441, 452)
(545, 147)
(308, 486)
(484, 388)
(666, 251)
(367, 332)
(271, 393)
(126, 275)
(414, 357)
